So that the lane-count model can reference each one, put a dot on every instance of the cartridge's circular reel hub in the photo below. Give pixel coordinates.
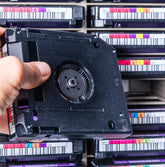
(75, 83)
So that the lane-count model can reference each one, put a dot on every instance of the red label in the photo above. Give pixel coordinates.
(29, 9)
(122, 10)
(126, 35)
(130, 115)
(127, 62)
(119, 10)
(124, 62)
(127, 10)
(146, 62)
(111, 36)
(119, 62)
(112, 10)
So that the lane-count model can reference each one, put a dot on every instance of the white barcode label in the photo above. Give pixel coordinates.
(149, 144)
(13, 13)
(142, 68)
(24, 149)
(133, 39)
(127, 13)
(147, 118)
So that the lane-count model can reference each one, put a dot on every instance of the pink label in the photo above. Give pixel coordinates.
(146, 62)
(35, 9)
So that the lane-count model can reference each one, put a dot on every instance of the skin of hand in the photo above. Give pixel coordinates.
(15, 75)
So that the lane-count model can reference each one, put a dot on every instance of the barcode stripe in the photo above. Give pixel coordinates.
(36, 15)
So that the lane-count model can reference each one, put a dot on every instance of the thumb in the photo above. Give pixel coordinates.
(16, 75)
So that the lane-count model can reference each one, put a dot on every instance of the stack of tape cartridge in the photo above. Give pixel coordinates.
(147, 118)
(137, 146)
(135, 32)
(135, 53)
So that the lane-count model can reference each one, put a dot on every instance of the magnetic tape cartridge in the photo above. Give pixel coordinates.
(83, 97)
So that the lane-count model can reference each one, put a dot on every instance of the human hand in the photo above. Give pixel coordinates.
(15, 75)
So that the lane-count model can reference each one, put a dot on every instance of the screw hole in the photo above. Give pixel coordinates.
(67, 88)
(96, 45)
(75, 77)
(78, 88)
(111, 125)
(65, 77)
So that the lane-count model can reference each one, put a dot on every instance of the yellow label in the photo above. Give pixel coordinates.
(140, 62)
(140, 10)
(139, 35)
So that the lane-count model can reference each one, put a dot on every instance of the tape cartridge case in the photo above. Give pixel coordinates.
(147, 118)
(141, 67)
(127, 17)
(76, 101)
(130, 147)
(42, 16)
(134, 42)
(158, 161)
(28, 151)
(137, 66)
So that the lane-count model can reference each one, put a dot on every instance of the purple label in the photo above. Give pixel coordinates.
(42, 9)
(42, 144)
(23, 107)
(146, 36)
(132, 36)
(132, 9)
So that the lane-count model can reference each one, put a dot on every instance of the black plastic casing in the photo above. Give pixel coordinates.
(104, 115)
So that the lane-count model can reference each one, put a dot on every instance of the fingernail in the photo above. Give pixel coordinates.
(44, 69)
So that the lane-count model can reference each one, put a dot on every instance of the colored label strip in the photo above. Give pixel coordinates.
(134, 62)
(24, 145)
(146, 114)
(129, 141)
(135, 10)
(23, 9)
(136, 141)
(139, 36)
